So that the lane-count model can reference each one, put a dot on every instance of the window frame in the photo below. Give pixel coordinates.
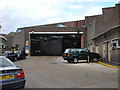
(117, 42)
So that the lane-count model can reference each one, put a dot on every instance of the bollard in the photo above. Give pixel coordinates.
(88, 59)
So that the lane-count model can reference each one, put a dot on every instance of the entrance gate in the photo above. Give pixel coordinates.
(53, 44)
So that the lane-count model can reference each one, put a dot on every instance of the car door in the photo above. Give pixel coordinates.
(83, 55)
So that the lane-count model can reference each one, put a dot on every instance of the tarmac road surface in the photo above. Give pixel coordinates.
(54, 72)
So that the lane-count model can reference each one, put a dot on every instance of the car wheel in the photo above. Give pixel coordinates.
(95, 59)
(69, 61)
(75, 59)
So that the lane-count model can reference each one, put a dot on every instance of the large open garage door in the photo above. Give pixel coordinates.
(53, 44)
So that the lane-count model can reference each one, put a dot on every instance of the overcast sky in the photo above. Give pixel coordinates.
(22, 13)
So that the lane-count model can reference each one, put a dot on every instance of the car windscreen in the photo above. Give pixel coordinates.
(4, 62)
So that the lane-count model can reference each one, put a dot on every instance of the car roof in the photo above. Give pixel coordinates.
(74, 48)
(17, 51)
(7, 51)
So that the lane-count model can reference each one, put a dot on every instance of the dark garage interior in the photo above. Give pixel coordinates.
(53, 45)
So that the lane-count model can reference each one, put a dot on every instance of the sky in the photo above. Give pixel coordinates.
(24, 13)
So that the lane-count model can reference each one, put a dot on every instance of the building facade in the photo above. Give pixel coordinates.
(105, 38)
(100, 34)
(48, 39)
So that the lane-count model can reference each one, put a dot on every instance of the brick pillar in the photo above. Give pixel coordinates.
(82, 41)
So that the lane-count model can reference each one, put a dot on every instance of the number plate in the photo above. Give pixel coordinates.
(6, 77)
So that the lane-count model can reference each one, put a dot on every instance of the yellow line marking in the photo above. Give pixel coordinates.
(108, 65)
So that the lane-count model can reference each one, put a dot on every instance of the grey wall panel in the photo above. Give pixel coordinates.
(19, 39)
(53, 47)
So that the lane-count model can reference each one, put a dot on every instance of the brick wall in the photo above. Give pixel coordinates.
(118, 13)
(90, 23)
(19, 39)
(96, 25)
(78, 23)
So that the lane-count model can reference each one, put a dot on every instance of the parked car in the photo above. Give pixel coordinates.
(11, 76)
(39, 53)
(10, 55)
(20, 55)
(76, 54)
(1, 52)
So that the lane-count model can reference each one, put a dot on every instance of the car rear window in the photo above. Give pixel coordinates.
(73, 51)
(4, 62)
(67, 51)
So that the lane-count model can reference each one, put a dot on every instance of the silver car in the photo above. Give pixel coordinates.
(11, 76)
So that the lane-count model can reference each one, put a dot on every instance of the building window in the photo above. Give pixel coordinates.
(116, 43)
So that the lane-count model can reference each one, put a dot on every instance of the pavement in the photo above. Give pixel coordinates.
(54, 72)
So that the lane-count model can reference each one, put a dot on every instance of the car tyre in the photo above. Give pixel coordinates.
(75, 60)
(95, 59)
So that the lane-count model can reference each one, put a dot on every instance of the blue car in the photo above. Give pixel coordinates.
(11, 76)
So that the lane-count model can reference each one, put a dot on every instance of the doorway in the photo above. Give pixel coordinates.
(106, 51)
(53, 44)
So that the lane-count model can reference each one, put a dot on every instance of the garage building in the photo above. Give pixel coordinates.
(48, 39)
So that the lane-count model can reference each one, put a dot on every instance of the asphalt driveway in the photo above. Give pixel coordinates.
(54, 72)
